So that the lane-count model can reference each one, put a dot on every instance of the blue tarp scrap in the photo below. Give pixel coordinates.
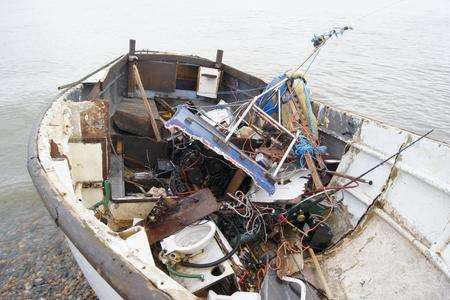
(269, 102)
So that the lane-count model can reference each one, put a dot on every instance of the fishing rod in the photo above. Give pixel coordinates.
(299, 205)
(318, 43)
(381, 163)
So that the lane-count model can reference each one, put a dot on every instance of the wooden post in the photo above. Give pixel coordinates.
(297, 112)
(219, 57)
(132, 47)
(236, 181)
(315, 176)
(319, 271)
(148, 107)
(131, 52)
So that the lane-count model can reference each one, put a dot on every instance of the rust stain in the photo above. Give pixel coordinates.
(55, 153)
(54, 150)
(187, 211)
(94, 121)
(369, 239)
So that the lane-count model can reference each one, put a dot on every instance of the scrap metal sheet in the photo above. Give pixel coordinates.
(187, 211)
(212, 138)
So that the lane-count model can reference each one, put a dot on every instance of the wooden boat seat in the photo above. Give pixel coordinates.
(131, 117)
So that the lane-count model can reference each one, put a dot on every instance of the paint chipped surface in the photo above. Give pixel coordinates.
(405, 215)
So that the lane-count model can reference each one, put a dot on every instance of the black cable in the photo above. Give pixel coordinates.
(320, 291)
(221, 260)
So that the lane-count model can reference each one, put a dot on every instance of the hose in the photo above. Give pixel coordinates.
(184, 275)
(221, 260)
(106, 196)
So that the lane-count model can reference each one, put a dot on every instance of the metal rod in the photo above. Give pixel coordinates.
(272, 120)
(279, 106)
(349, 177)
(395, 154)
(291, 145)
(241, 118)
(244, 114)
(69, 85)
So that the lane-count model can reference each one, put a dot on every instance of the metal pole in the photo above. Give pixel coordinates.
(272, 120)
(69, 85)
(395, 154)
(291, 145)
(244, 114)
(241, 118)
(279, 106)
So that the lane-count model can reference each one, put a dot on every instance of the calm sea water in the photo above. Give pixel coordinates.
(394, 66)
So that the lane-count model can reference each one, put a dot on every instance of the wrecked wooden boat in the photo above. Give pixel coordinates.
(178, 177)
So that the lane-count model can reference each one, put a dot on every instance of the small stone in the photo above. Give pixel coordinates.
(38, 280)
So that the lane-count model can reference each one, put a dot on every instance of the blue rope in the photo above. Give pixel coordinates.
(304, 147)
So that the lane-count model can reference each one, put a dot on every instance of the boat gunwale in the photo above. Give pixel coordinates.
(122, 275)
(126, 280)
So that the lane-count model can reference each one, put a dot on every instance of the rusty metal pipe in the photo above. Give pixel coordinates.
(370, 182)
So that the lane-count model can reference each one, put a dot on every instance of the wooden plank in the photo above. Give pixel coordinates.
(219, 57)
(150, 110)
(131, 116)
(195, 60)
(315, 176)
(320, 273)
(96, 89)
(187, 72)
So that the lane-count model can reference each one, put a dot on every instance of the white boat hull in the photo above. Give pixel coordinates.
(101, 288)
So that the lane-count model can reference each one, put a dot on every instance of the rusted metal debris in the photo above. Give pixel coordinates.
(185, 212)
(94, 121)
(212, 138)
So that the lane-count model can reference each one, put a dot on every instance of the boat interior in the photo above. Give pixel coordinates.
(211, 183)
